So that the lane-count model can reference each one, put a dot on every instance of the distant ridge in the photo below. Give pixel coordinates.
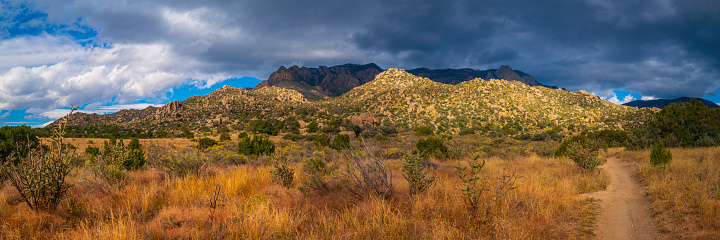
(318, 83)
(662, 103)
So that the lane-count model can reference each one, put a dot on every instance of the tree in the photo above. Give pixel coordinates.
(659, 156)
(18, 139)
(257, 145)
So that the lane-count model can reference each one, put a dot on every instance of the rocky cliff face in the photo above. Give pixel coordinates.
(317, 83)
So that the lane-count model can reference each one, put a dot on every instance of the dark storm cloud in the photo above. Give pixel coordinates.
(660, 48)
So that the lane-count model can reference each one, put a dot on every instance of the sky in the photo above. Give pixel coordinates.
(108, 55)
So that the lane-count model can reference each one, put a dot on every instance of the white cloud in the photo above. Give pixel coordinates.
(5, 115)
(122, 73)
(646, 98)
(613, 98)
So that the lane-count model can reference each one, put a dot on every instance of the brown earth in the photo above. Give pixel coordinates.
(625, 210)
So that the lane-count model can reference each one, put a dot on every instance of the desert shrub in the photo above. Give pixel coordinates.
(282, 174)
(225, 154)
(431, 145)
(206, 142)
(340, 142)
(364, 174)
(321, 140)
(242, 135)
(419, 178)
(183, 162)
(257, 145)
(545, 149)
(92, 151)
(270, 127)
(312, 127)
(466, 131)
(393, 153)
(136, 155)
(586, 159)
(424, 131)
(471, 187)
(659, 156)
(224, 137)
(39, 176)
(109, 167)
(316, 172)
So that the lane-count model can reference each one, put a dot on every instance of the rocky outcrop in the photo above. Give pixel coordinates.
(169, 109)
(364, 118)
(317, 83)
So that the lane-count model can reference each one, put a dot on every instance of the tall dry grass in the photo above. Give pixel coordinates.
(545, 205)
(686, 194)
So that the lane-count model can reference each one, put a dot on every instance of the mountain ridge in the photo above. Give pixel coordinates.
(320, 82)
(662, 103)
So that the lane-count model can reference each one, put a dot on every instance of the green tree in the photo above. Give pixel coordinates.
(257, 145)
(18, 139)
(311, 127)
(659, 156)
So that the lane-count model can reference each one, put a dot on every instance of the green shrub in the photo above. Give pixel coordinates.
(659, 156)
(136, 155)
(183, 162)
(341, 142)
(282, 174)
(258, 145)
(39, 176)
(545, 149)
(322, 140)
(206, 142)
(110, 168)
(415, 172)
(311, 127)
(316, 172)
(586, 159)
(224, 137)
(242, 135)
(92, 151)
(424, 131)
(471, 188)
(13, 136)
(467, 131)
(431, 145)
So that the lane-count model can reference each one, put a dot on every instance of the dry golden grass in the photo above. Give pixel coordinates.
(545, 205)
(686, 194)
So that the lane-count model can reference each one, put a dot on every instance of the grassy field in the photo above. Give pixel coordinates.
(686, 193)
(240, 201)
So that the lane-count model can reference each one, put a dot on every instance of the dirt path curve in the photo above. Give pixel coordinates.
(625, 211)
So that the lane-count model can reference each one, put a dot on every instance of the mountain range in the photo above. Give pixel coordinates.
(317, 83)
(393, 97)
(662, 103)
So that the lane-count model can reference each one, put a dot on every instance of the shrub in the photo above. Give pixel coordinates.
(321, 140)
(136, 155)
(224, 137)
(311, 127)
(39, 176)
(109, 167)
(340, 142)
(92, 151)
(418, 177)
(431, 145)
(659, 156)
(282, 174)
(467, 131)
(13, 136)
(316, 172)
(424, 131)
(365, 175)
(242, 135)
(587, 160)
(205, 143)
(471, 189)
(184, 162)
(258, 145)
(545, 149)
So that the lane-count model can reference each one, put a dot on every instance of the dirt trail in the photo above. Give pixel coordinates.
(625, 211)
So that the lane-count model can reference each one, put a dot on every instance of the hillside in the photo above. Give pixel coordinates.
(457, 76)
(399, 97)
(395, 98)
(662, 103)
